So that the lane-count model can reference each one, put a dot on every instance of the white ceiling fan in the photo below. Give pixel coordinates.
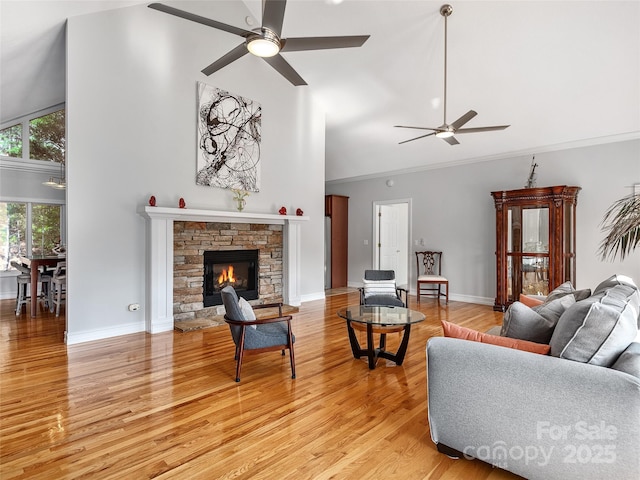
(446, 131)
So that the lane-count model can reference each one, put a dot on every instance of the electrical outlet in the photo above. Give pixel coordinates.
(134, 307)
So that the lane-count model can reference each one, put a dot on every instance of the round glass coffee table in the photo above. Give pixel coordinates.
(382, 320)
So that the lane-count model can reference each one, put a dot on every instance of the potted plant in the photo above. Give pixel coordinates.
(622, 222)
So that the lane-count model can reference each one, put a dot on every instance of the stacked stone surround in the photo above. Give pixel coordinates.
(192, 239)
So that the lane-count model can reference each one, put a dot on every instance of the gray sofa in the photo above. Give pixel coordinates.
(567, 415)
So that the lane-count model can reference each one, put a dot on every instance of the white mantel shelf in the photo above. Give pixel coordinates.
(159, 271)
(194, 215)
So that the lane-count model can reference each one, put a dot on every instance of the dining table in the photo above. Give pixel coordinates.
(34, 262)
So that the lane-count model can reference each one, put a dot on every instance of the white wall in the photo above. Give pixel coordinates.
(453, 211)
(131, 110)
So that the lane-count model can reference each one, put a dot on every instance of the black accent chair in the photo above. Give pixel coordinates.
(380, 289)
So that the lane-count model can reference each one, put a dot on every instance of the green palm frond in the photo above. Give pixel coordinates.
(622, 222)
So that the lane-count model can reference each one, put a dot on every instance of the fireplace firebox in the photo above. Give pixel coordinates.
(238, 268)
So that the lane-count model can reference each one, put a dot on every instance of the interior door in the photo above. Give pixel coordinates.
(391, 247)
(388, 248)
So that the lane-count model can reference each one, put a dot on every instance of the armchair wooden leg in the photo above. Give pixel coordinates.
(240, 355)
(291, 354)
(293, 362)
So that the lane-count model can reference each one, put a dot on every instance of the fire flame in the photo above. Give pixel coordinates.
(227, 276)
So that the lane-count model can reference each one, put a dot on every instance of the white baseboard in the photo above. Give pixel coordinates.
(102, 333)
(453, 296)
(471, 299)
(312, 296)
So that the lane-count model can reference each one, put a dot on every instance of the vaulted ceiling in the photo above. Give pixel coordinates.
(560, 73)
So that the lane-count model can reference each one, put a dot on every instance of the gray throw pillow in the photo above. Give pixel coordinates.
(598, 329)
(534, 324)
(560, 291)
(553, 310)
(567, 289)
(247, 311)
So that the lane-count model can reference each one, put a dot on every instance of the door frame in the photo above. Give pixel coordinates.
(376, 233)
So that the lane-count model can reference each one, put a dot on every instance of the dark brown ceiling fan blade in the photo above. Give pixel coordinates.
(273, 15)
(198, 19)
(451, 140)
(419, 128)
(321, 43)
(286, 70)
(482, 129)
(417, 138)
(225, 60)
(463, 119)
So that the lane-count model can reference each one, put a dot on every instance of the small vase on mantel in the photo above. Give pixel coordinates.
(239, 197)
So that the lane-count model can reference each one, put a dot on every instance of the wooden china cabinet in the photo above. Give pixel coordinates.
(535, 241)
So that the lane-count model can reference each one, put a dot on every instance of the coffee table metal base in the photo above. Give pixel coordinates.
(374, 353)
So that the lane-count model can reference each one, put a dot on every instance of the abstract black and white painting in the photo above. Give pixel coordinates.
(229, 129)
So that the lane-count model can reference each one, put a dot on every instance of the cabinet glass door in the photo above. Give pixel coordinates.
(527, 251)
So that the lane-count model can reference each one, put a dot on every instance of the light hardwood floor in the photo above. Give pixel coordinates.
(167, 406)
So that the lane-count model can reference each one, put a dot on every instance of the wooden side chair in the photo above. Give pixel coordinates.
(256, 335)
(430, 279)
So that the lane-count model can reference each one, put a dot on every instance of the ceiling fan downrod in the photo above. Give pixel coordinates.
(445, 11)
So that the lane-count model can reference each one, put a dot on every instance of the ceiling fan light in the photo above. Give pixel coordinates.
(264, 44)
(444, 134)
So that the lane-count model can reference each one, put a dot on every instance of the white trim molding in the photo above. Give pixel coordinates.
(159, 243)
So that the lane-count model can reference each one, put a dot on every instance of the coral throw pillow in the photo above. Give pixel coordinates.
(456, 331)
(530, 301)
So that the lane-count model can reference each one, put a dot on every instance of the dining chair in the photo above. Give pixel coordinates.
(256, 335)
(430, 280)
(58, 290)
(24, 281)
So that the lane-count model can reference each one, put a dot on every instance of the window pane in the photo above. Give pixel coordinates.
(13, 233)
(47, 137)
(11, 141)
(45, 228)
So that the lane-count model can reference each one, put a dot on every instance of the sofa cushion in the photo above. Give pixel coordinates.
(614, 280)
(534, 324)
(629, 360)
(456, 331)
(597, 330)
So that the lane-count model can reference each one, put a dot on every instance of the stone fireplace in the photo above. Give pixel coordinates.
(204, 252)
(282, 274)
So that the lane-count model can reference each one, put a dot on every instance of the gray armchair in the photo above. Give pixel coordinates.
(256, 335)
(380, 289)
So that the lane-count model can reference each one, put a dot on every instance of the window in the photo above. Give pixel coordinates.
(46, 137)
(46, 134)
(11, 141)
(29, 227)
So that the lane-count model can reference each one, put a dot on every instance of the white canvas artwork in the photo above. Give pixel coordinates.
(229, 129)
